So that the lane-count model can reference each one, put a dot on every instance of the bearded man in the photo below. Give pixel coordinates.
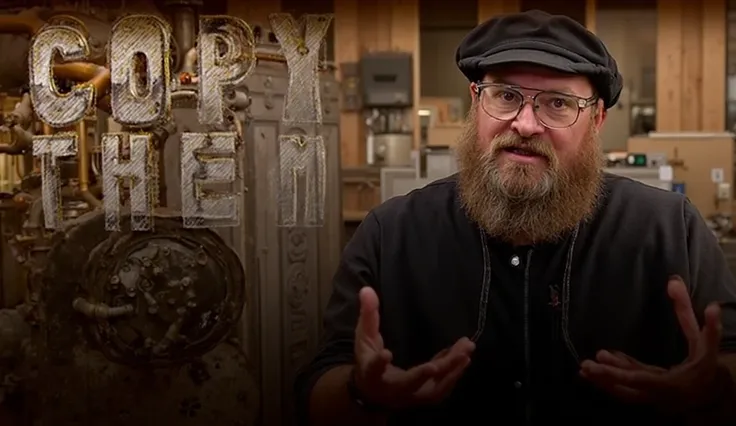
(531, 287)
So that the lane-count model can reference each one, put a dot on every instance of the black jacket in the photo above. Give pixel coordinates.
(534, 312)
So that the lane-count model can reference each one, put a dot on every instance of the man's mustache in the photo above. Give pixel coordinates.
(532, 145)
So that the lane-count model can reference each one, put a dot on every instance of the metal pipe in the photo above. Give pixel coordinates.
(22, 114)
(184, 27)
(189, 64)
(83, 167)
(26, 22)
(96, 75)
(100, 310)
(21, 141)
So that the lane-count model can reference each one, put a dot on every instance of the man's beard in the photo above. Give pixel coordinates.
(527, 203)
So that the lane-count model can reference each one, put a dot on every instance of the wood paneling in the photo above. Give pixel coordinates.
(699, 155)
(590, 15)
(370, 26)
(487, 9)
(713, 66)
(691, 65)
(253, 12)
(347, 50)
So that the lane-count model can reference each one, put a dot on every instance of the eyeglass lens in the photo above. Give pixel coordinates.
(552, 109)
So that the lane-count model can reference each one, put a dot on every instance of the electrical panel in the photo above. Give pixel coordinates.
(387, 80)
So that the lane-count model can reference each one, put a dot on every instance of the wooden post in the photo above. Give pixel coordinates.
(691, 65)
(373, 26)
(590, 15)
(487, 9)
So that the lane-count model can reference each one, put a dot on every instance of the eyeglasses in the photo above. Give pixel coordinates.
(553, 109)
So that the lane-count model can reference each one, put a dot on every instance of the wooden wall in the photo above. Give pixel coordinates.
(370, 26)
(691, 60)
(691, 65)
(253, 12)
(690, 70)
(691, 54)
(487, 9)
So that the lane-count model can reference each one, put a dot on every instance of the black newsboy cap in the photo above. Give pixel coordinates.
(538, 38)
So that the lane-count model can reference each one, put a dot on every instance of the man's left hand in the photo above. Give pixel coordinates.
(685, 386)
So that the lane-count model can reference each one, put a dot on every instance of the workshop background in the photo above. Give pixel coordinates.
(393, 105)
(671, 127)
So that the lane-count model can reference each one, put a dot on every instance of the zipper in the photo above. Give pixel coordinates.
(527, 349)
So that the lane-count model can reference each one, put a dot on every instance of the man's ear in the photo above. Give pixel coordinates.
(473, 91)
(600, 114)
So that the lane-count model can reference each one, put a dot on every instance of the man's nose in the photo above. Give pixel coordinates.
(526, 123)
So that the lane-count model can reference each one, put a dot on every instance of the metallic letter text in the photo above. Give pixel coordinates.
(133, 103)
(209, 159)
(50, 149)
(217, 69)
(51, 106)
(303, 104)
(140, 169)
(302, 172)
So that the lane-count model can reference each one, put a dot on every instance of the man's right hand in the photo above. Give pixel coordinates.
(380, 382)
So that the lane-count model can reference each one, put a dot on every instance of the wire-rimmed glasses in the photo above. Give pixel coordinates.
(555, 110)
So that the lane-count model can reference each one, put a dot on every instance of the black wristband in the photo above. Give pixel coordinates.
(357, 398)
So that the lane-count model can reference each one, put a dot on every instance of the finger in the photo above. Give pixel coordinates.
(637, 379)
(369, 320)
(462, 349)
(375, 364)
(621, 360)
(441, 354)
(624, 393)
(446, 383)
(677, 291)
(712, 331)
(409, 381)
(614, 360)
(464, 345)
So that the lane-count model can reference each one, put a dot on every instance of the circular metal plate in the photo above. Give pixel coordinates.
(151, 297)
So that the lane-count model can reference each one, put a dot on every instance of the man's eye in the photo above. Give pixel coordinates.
(506, 96)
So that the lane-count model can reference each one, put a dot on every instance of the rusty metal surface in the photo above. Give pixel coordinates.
(217, 388)
(180, 346)
(295, 266)
(160, 297)
(92, 368)
(289, 270)
(14, 72)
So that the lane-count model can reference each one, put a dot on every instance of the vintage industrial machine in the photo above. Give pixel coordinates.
(388, 99)
(175, 326)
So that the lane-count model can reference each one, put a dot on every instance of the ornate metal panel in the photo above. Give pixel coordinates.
(288, 270)
(295, 264)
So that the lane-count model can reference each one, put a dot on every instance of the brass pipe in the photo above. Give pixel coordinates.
(83, 167)
(19, 169)
(104, 104)
(27, 22)
(96, 75)
(270, 57)
(239, 129)
(20, 142)
(73, 192)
